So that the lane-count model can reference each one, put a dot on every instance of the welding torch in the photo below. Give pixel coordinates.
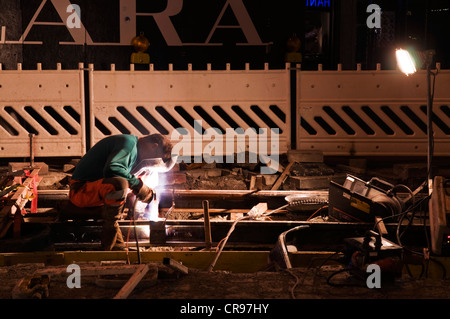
(146, 194)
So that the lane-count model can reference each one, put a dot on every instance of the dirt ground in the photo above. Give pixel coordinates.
(162, 282)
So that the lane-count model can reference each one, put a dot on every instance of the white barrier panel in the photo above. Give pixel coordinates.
(371, 113)
(201, 109)
(46, 103)
(360, 113)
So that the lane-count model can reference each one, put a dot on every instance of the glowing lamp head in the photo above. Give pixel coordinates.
(405, 62)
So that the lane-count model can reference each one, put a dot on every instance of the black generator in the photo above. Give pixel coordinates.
(360, 201)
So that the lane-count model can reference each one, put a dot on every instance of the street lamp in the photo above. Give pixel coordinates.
(407, 61)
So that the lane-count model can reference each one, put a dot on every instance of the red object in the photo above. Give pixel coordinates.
(34, 188)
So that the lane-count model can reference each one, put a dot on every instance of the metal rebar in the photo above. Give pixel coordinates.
(235, 194)
(31, 135)
(207, 224)
(135, 231)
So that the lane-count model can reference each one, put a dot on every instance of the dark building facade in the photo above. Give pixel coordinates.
(199, 32)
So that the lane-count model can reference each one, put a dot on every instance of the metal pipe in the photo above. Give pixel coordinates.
(429, 130)
(227, 194)
(207, 223)
(135, 231)
(210, 194)
(222, 192)
(31, 135)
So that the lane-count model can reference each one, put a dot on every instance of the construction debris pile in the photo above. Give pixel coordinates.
(209, 213)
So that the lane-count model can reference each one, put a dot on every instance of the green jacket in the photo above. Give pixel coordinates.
(113, 156)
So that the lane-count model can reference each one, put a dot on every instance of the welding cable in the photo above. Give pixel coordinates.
(210, 268)
(297, 281)
(398, 235)
(128, 239)
(425, 230)
(275, 210)
(224, 240)
(401, 214)
(405, 213)
(340, 285)
(385, 218)
(325, 260)
(266, 215)
(220, 242)
(392, 190)
(320, 209)
(135, 231)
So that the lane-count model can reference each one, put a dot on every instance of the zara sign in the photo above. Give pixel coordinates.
(70, 15)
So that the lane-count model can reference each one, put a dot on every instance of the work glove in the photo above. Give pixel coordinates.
(143, 192)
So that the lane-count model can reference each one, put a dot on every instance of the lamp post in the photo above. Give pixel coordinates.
(407, 65)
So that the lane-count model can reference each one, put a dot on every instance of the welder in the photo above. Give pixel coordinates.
(103, 178)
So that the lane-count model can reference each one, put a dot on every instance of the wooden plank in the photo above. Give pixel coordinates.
(93, 271)
(282, 177)
(311, 182)
(175, 265)
(128, 288)
(256, 182)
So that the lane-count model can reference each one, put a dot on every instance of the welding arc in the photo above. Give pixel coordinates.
(224, 241)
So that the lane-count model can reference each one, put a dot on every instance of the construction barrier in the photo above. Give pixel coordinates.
(222, 112)
(206, 112)
(372, 113)
(42, 112)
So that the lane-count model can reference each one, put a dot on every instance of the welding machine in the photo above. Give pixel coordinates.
(373, 249)
(439, 207)
(360, 201)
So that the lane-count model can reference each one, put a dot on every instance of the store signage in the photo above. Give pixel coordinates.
(318, 3)
(70, 15)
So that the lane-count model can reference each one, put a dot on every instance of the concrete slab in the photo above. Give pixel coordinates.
(20, 166)
(311, 182)
(204, 173)
(305, 156)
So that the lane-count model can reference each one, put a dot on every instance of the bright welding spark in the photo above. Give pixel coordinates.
(145, 230)
(152, 209)
(151, 180)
